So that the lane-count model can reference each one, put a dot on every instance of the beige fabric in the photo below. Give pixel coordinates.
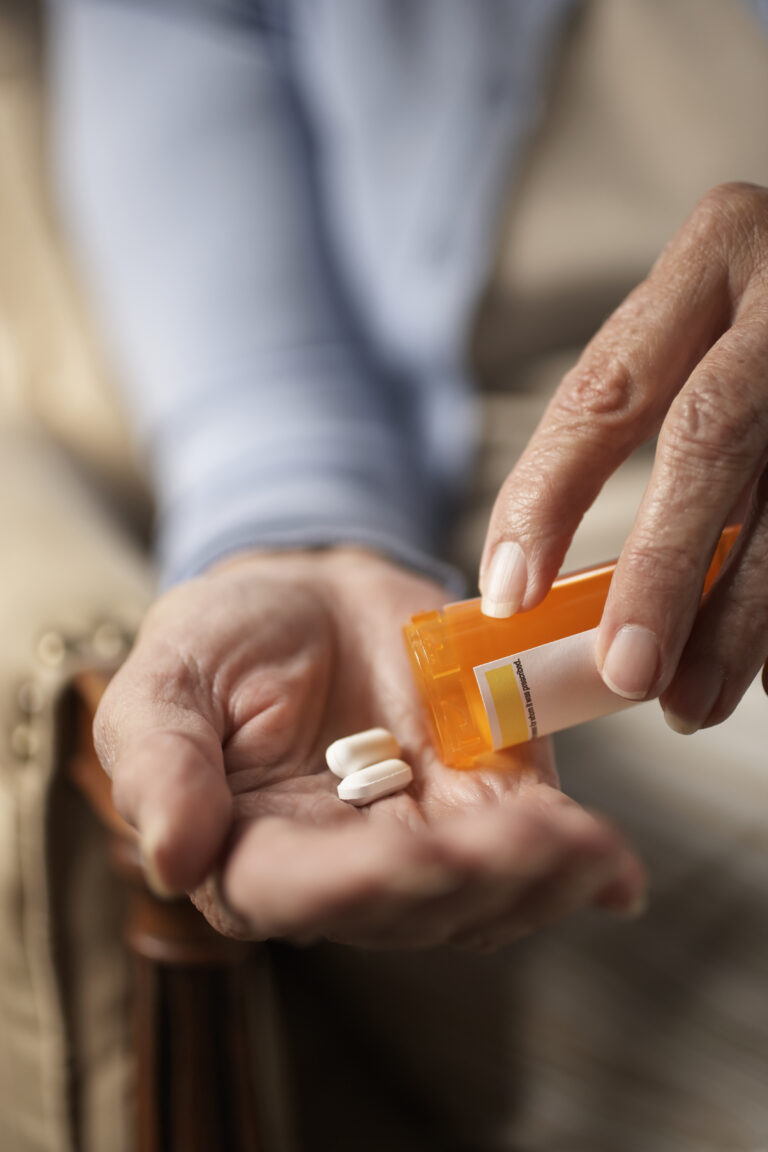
(52, 371)
(72, 589)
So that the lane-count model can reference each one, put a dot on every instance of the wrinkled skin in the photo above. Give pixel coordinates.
(684, 356)
(214, 732)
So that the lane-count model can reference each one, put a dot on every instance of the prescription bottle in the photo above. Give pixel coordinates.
(488, 684)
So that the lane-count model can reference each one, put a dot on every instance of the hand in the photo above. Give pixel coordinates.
(214, 732)
(685, 355)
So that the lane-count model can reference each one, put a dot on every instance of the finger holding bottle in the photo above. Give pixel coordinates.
(684, 355)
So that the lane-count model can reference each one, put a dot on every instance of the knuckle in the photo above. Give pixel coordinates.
(732, 200)
(603, 388)
(734, 216)
(669, 566)
(525, 491)
(605, 394)
(181, 675)
(709, 215)
(527, 497)
(173, 677)
(710, 427)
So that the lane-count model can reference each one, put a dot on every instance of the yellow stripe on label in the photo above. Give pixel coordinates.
(510, 709)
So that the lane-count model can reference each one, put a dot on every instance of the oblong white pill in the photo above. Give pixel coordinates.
(375, 781)
(352, 753)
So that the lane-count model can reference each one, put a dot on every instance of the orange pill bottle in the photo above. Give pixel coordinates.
(488, 684)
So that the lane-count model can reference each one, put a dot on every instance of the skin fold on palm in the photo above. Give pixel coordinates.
(214, 732)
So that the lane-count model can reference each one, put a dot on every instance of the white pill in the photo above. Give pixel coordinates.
(375, 781)
(359, 750)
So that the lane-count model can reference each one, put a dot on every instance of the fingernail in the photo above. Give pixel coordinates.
(150, 843)
(505, 581)
(630, 667)
(695, 694)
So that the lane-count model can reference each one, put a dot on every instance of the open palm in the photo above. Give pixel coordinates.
(214, 732)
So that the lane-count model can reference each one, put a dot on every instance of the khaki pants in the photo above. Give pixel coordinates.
(73, 587)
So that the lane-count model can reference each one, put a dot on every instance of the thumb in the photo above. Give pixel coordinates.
(167, 769)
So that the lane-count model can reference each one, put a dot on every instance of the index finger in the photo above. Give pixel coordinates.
(614, 399)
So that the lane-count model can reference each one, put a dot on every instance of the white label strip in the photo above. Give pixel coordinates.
(554, 686)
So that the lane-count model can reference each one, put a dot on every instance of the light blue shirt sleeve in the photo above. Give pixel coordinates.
(185, 173)
(285, 209)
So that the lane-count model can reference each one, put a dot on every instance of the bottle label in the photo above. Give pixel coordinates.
(545, 689)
